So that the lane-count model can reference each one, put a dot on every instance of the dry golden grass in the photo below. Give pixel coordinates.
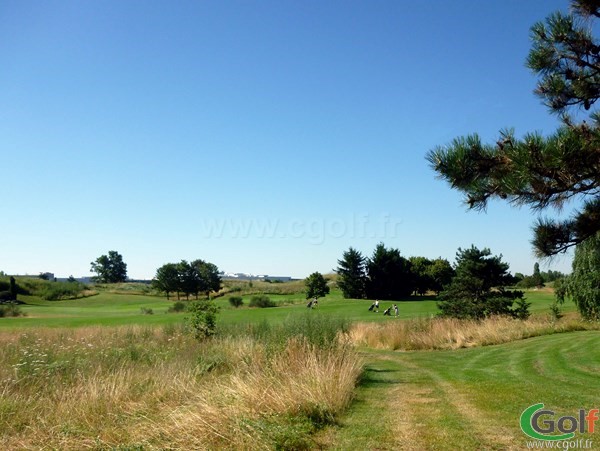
(105, 387)
(449, 333)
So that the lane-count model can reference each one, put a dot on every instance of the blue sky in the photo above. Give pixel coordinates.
(263, 136)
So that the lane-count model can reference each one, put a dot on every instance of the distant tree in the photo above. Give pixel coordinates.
(537, 276)
(209, 279)
(188, 279)
(478, 289)
(71, 279)
(44, 276)
(352, 274)
(316, 286)
(421, 275)
(167, 279)
(440, 274)
(583, 285)
(110, 268)
(544, 171)
(389, 275)
(551, 276)
(13, 288)
(534, 281)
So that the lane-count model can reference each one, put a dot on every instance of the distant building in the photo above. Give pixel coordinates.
(246, 276)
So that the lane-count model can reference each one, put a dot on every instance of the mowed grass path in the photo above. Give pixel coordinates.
(469, 398)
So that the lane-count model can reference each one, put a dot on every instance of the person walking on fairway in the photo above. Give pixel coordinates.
(376, 305)
(395, 310)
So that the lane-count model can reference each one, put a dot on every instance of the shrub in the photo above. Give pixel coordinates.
(261, 301)
(10, 309)
(146, 311)
(177, 307)
(5, 296)
(203, 318)
(236, 301)
(555, 312)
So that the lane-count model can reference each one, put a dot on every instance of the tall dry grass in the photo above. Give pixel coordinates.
(449, 333)
(103, 388)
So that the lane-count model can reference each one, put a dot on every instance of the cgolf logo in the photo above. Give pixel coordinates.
(539, 423)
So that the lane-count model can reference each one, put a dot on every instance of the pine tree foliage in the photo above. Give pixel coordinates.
(389, 274)
(543, 171)
(478, 288)
(352, 275)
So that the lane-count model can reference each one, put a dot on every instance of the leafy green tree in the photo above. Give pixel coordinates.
(478, 289)
(419, 267)
(440, 274)
(188, 279)
(110, 268)
(583, 285)
(209, 279)
(167, 279)
(352, 274)
(316, 286)
(543, 171)
(389, 275)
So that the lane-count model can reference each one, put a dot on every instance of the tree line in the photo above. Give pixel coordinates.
(477, 286)
(389, 275)
(188, 278)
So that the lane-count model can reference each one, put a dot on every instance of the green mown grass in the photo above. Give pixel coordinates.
(469, 398)
(107, 308)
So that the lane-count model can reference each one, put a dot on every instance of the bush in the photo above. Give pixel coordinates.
(177, 307)
(203, 318)
(10, 309)
(555, 312)
(146, 311)
(5, 296)
(236, 301)
(261, 301)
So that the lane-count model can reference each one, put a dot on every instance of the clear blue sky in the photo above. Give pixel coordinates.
(263, 136)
